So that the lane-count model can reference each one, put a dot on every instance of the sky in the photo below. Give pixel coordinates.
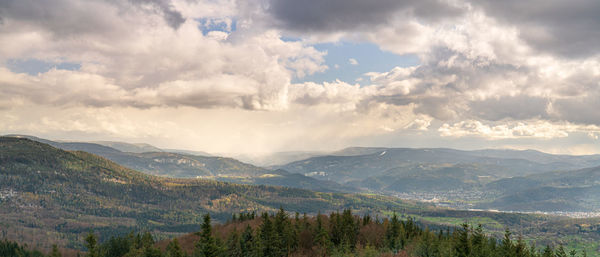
(260, 76)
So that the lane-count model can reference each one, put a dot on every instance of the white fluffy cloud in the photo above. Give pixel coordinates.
(484, 72)
(131, 57)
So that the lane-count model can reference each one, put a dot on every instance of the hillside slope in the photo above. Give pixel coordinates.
(358, 167)
(577, 190)
(185, 165)
(45, 190)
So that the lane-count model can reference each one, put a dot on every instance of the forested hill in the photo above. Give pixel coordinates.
(158, 162)
(337, 234)
(62, 194)
(186, 165)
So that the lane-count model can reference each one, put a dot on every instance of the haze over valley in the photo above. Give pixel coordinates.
(251, 128)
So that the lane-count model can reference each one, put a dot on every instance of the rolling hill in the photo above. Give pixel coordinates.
(185, 165)
(490, 179)
(62, 194)
(358, 167)
(51, 196)
(577, 190)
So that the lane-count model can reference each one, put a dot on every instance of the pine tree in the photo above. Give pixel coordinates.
(91, 244)
(507, 246)
(247, 242)
(174, 249)
(548, 252)
(335, 228)
(234, 248)
(321, 235)
(268, 238)
(55, 252)
(349, 229)
(392, 234)
(147, 240)
(462, 247)
(479, 243)
(148, 248)
(283, 231)
(573, 253)
(207, 245)
(427, 245)
(560, 251)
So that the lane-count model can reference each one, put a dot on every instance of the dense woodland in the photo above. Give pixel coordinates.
(339, 234)
(50, 196)
(48, 191)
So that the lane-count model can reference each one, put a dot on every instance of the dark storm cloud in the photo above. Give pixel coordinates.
(568, 28)
(71, 17)
(164, 7)
(339, 15)
(61, 17)
(581, 109)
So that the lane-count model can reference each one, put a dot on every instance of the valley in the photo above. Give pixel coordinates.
(66, 193)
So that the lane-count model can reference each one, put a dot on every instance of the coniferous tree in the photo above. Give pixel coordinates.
(268, 237)
(335, 228)
(321, 235)
(462, 247)
(573, 253)
(427, 246)
(349, 229)
(284, 233)
(548, 252)
(91, 244)
(479, 243)
(55, 252)
(174, 249)
(207, 245)
(392, 234)
(247, 242)
(234, 248)
(520, 249)
(560, 251)
(148, 248)
(507, 245)
(346, 235)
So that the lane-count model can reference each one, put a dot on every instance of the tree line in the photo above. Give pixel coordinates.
(337, 234)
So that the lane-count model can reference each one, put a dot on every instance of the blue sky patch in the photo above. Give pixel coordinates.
(35, 66)
(210, 24)
(348, 61)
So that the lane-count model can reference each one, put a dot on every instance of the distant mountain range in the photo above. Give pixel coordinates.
(513, 180)
(62, 194)
(381, 161)
(52, 196)
(491, 179)
(183, 164)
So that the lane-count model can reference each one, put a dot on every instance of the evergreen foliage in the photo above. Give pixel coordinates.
(340, 234)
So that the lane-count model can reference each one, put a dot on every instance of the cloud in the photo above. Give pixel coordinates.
(566, 28)
(350, 15)
(511, 130)
(152, 65)
(87, 17)
(486, 70)
(172, 17)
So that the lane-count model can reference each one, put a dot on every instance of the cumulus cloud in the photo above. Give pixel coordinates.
(480, 69)
(487, 69)
(510, 130)
(567, 28)
(147, 63)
